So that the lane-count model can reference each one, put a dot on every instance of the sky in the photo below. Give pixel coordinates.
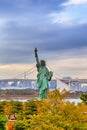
(58, 28)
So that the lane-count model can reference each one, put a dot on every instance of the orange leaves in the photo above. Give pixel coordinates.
(10, 125)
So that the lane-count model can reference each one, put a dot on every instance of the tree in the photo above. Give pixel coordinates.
(17, 106)
(54, 113)
(22, 124)
(1, 107)
(2, 122)
(83, 97)
(13, 108)
(30, 108)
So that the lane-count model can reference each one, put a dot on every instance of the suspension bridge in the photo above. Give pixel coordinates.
(21, 81)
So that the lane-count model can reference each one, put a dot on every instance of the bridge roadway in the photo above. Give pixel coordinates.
(67, 81)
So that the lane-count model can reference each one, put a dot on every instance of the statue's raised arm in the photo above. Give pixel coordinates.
(36, 56)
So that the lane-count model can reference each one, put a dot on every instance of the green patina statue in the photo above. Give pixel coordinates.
(43, 76)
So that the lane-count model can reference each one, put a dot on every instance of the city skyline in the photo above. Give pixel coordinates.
(57, 28)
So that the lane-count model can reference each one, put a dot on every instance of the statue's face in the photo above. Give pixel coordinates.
(42, 62)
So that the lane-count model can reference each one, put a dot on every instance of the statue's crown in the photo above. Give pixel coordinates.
(35, 50)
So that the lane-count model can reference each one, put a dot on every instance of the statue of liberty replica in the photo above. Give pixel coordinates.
(43, 76)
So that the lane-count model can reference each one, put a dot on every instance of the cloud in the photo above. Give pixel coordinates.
(62, 18)
(2, 22)
(19, 42)
(74, 2)
(70, 15)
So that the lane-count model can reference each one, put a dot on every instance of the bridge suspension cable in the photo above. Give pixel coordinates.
(54, 72)
(57, 76)
(29, 71)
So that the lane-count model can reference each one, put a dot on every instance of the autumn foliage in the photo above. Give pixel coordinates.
(53, 113)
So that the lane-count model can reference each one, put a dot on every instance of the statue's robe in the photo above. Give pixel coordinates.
(42, 81)
(43, 77)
